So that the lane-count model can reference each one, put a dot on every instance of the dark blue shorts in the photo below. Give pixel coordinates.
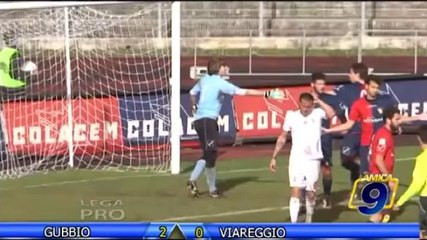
(350, 145)
(326, 150)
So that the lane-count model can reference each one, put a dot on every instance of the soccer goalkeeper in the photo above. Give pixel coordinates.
(210, 89)
(419, 180)
(10, 64)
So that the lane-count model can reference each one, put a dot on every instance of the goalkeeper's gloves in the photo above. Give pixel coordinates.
(274, 94)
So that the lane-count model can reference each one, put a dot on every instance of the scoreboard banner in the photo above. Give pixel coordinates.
(170, 230)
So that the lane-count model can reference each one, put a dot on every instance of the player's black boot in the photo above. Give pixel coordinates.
(192, 188)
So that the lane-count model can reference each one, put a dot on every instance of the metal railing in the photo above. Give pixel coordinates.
(414, 45)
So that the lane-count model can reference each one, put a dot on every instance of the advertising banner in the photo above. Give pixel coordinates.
(259, 117)
(226, 121)
(41, 128)
(145, 120)
(410, 94)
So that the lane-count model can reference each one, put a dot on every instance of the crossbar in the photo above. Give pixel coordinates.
(53, 4)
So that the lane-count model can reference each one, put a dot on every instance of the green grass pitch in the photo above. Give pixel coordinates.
(252, 194)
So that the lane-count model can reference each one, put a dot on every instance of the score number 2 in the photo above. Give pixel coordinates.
(163, 230)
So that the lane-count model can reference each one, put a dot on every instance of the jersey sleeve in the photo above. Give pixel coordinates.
(229, 88)
(380, 145)
(287, 125)
(195, 89)
(419, 178)
(355, 112)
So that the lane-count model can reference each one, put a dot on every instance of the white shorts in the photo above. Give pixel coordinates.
(304, 174)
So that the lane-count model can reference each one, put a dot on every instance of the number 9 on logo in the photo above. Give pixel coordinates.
(375, 197)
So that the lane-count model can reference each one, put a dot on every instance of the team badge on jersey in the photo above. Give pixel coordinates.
(381, 144)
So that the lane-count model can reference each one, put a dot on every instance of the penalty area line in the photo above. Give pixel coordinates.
(90, 180)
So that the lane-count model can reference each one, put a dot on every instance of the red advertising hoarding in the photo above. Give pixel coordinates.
(41, 128)
(258, 117)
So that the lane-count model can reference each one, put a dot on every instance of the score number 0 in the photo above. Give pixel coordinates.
(199, 232)
(375, 196)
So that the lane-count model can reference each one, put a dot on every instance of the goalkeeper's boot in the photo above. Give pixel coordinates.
(192, 188)
(214, 194)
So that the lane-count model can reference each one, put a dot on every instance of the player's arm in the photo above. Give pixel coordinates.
(407, 119)
(380, 145)
(231, 89)
(419, 178)
(353, 117)
(330, 112)
(193, 92)
(379, 161)
(281, 140)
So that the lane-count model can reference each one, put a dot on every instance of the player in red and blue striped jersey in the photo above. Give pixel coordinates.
(348, 94)
(368, 111)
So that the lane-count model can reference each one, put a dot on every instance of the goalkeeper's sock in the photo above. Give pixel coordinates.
(211, 179)
(294, 208)
(198, 169)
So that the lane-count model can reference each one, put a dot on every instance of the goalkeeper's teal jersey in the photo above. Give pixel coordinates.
(210, 89)
(419, 180)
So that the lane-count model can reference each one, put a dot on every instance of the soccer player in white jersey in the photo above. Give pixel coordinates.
(305, 126)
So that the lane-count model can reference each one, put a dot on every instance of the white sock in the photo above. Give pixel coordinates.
(198, 169)
(211, 178)
(309, 205)
(294, 208)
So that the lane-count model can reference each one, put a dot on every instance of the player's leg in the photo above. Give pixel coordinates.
(297, 183)
(349, 154)
(326, 168)
(364, 160)
(302, 209)
(364, 166)
(210, 155)
(199, 126)
(312, 171)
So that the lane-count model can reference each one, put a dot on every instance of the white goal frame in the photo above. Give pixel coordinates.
(175, 81)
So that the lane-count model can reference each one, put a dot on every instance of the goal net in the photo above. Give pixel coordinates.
(103, 68)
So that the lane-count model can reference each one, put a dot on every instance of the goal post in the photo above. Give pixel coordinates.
(106, 94)
(176, 87)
